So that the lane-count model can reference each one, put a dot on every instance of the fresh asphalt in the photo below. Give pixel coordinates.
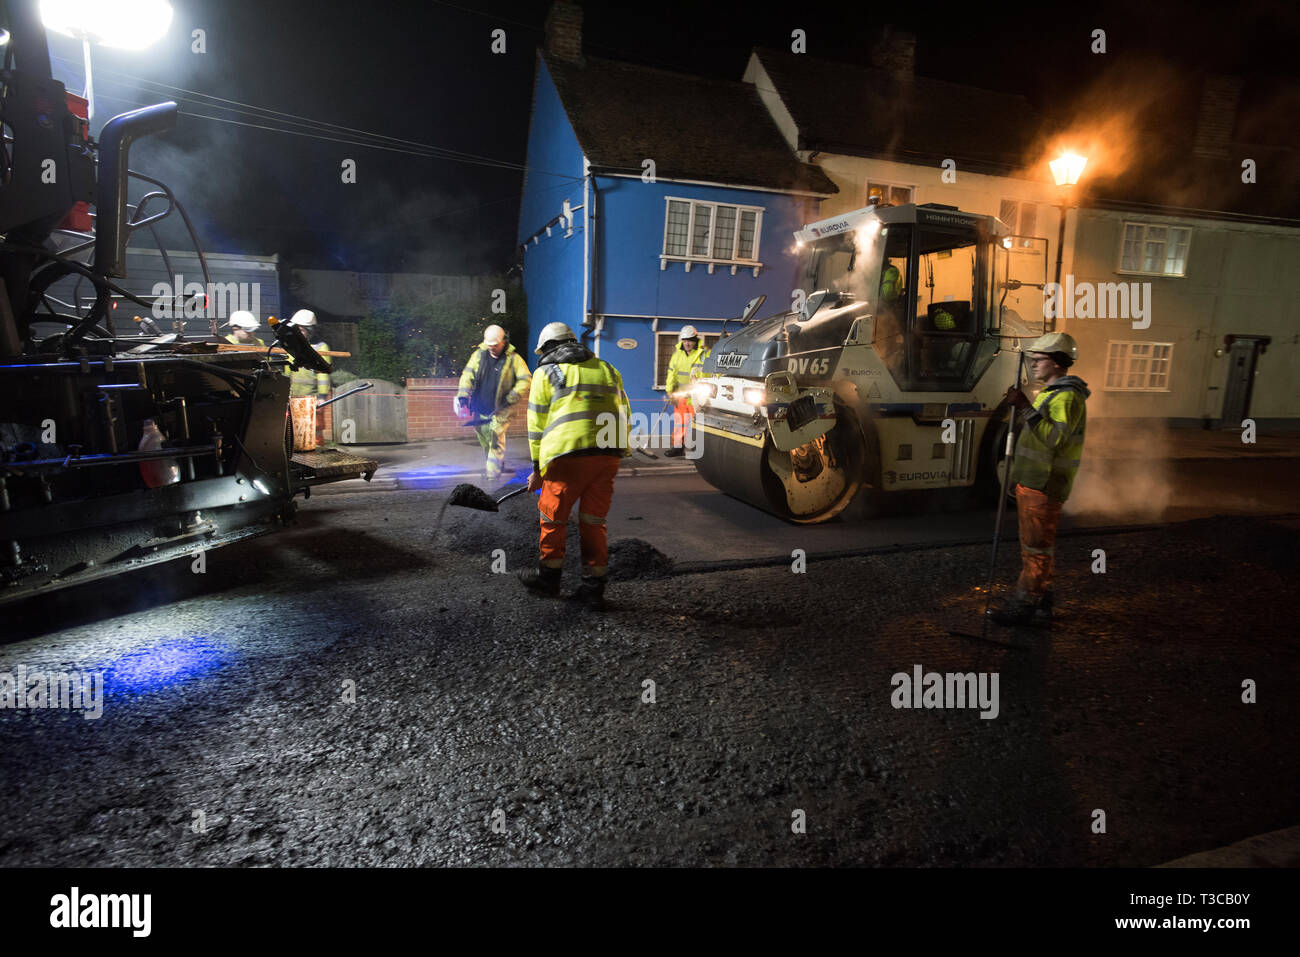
(373, 687)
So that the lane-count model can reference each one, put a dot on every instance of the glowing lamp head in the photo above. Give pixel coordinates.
(1067, 168)
(125, 24)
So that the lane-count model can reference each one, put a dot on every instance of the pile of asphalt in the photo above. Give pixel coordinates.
(471, 496)
(513, 529)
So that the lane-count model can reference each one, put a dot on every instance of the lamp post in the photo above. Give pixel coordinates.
(125, 24)
(1066, 170)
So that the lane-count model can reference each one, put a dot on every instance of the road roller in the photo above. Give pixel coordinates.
(888, 372)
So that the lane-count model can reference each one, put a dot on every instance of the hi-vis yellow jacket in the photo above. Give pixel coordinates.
(576, 406)
(1051, 443)
(697, 367)
(302, 379)
(511, 386)
(679, 368)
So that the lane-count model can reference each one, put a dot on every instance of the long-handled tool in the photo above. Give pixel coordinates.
(343, 395)
(1002, 508)
(471, 496)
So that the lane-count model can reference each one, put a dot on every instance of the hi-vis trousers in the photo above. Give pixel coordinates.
(1038, 517)
(492, 439)
(588, 482)
(683, 419)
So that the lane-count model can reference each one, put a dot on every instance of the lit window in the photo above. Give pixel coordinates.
(888, 194)
(1155, 250)
(1138, 366)
(1021, 218)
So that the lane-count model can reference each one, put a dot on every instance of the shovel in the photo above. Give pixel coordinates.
(997, 524)
(471, 496)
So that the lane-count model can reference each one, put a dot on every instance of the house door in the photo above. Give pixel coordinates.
(1243, 354)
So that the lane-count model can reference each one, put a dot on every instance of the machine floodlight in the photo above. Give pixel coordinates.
(125, 24)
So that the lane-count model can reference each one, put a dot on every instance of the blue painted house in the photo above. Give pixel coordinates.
(652, 200)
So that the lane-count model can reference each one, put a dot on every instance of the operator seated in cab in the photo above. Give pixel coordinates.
(888, 338)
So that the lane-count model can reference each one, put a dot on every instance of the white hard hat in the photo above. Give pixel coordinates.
(303, 317)
(554, 332)
(688, 332)
(243, 319)
(492, 335)
(1055, 342)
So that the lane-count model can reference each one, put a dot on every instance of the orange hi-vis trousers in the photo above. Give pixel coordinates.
(588, 482)
(683, 413)
(1038, 517)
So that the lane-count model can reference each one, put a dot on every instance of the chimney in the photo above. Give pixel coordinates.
(1218, 115)
(895, 51)
(564, 31)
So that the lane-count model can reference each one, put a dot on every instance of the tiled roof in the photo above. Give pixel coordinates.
(866, 111)
(693, 127)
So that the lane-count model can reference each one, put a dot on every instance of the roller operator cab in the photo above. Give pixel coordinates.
(890, 375)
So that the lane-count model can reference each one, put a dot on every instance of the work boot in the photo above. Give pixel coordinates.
(1043, 611)
(591, 592)
(1014, 611)
(673, 452)
(541, 579)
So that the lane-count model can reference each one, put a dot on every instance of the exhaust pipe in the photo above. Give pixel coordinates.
(115, 141)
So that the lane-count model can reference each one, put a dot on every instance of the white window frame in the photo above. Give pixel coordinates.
(1017, 228)
(1127, 357)
(690, 260)
(1119, 265)
(866, 188)
(709, 339)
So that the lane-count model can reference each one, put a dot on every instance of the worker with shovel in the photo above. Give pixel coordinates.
(1047, 457)
(577, 432)
(494, 380)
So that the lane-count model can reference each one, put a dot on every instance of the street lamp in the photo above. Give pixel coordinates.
(125, 24)
(1066, 170)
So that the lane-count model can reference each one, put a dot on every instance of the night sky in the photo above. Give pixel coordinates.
(423, 72)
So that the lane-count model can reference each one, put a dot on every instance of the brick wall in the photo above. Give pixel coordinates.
(428, 410)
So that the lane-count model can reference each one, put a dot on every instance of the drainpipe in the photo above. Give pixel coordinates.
(591, 215)
(586, 242)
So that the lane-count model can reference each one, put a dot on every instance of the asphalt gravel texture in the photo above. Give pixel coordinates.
(364, 689)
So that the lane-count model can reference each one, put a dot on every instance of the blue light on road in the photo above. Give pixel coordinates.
(166, 663)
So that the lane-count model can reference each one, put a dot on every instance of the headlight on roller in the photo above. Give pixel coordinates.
(754, 396)
(702, 392)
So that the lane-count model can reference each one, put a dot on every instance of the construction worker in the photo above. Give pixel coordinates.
(577, 433)
(1047, 455)
(697, 367)
(304, 381)
(687, 354)
(888, 331)
(242, 326)
(494, 380)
